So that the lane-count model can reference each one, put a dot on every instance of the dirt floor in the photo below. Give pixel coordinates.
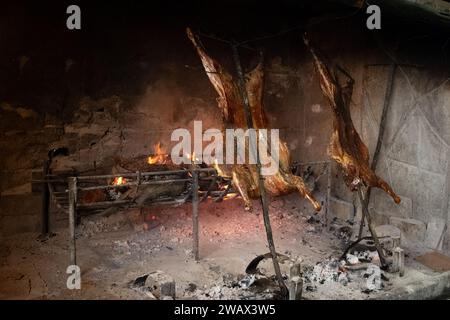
(114, 251)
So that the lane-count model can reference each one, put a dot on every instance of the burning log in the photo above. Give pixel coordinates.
(244, 177)
(159, 161)
(346, 146)
(144, 193)
(160, 156)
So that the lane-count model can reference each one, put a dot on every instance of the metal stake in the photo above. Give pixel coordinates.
(72, 218)
(195, 214)
(262, 189)
(366, 214)
(45, 214)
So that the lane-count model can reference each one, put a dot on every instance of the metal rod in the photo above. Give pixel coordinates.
(208, 191)
(167, 202)
(353, 244)
(327, 214)
(254, 151)
(143, 174)
(157, 173)
(372, 230)
(223, 193)
(107, 176)
(48, 181)
(45, 210)
(72, 218)
(60, 193)
(195, 214)
(133, 184)
(376, 154)
(139, 182)
(101, 204)
(138, 179)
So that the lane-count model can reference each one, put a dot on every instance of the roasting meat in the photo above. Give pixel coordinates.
(346, 146)
(244, 176)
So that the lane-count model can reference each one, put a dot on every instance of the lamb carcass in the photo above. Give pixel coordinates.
(244, 176)
(346, 146)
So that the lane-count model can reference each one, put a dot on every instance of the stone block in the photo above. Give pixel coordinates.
(18, 190)
(338, 187)
(341, 209)
(383, 204)
(378, 218)
(430, 190)
(396, 116)
(434, 234)
(412, 230)
(401, 176)
(13, 179)
(388, 230)
(427, 212)
(393, 233)
(17, 205)
(10, 225)
(432, 151)
(403, 149)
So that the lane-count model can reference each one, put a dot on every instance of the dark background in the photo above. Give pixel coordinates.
(117, 34)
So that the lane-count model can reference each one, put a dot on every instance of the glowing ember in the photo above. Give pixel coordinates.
(159, 157)
(230, 196)
(119, 181)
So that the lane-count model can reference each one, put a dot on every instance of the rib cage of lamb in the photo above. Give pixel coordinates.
(244, 176)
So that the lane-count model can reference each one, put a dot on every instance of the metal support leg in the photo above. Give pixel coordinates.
(45, 215)
(295, 283)
(195, 213)
(327, 214)
(399, 261)
(372, 230)
(72, 218)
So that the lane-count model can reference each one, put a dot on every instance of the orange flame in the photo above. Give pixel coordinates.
(119, 181)
(159, 157)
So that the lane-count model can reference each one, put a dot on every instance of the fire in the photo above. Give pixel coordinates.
(192, 157)
(119, 181)
(218, 169)
(159, 157)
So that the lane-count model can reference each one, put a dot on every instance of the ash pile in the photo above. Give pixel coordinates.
(158, 285)
(357, 271)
